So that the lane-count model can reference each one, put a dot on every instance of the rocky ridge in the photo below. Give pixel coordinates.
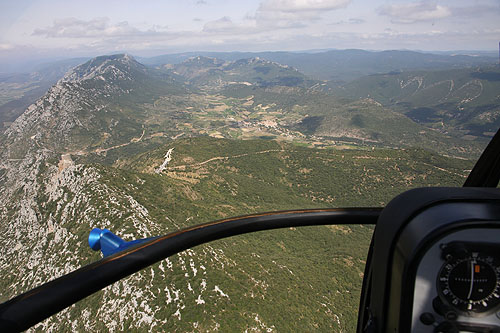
(46, 208)
(70, 104)
(211, 73)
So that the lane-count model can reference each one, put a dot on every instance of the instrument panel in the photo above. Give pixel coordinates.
(434, 264)
(457, 287)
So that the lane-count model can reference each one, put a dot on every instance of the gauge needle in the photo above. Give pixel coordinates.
(472, 263)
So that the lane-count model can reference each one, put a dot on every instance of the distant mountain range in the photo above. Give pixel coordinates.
(342, 65)
(286, 88)
(18, 91)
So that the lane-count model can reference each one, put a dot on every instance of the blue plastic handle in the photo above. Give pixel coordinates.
(109, 243)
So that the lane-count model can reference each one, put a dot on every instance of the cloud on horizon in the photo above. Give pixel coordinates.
(476, 10)
(301, 5)
(296, 10)
(414, 12)
(99, 27)
(272, 15)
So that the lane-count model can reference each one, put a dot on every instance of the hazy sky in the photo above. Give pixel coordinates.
(47, 28)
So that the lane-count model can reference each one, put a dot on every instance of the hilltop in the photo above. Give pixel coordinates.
(215, 73)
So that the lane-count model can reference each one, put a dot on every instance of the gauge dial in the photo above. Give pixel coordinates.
(470, 285)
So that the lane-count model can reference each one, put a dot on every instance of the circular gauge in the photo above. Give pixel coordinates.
(470, 285)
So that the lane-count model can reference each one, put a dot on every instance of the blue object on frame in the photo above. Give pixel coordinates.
(109, 243)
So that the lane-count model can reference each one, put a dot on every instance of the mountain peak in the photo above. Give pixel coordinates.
(257, 61)
(204, 61)
(79, 96)
(108, 67)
